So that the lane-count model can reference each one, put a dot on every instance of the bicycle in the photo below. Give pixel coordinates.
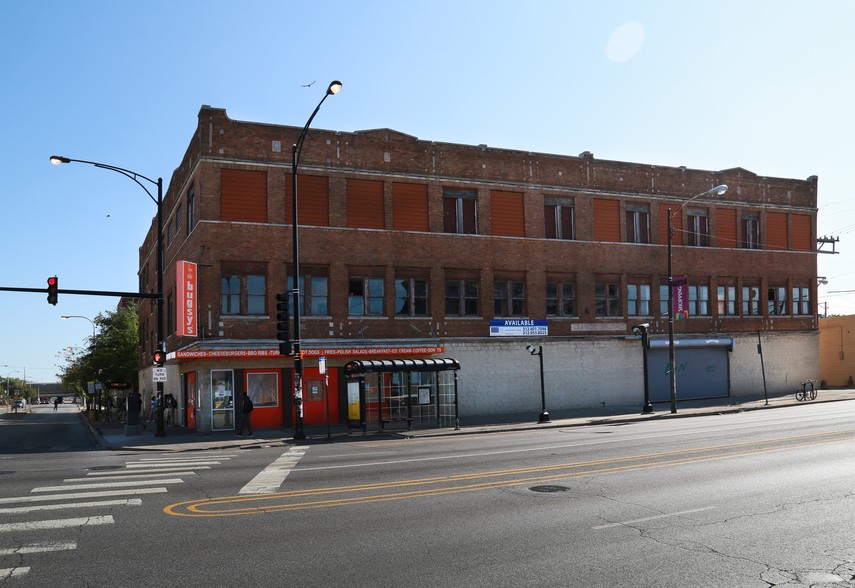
(807, 392)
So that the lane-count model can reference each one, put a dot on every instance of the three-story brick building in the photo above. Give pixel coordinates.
(418, 249)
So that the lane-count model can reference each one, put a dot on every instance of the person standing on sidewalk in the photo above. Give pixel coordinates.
(246, 412)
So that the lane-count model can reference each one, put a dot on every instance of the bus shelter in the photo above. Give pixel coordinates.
(419, 392)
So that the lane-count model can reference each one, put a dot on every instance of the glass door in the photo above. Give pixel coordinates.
(222, 400)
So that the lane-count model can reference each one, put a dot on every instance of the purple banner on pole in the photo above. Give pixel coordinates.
(680, 297)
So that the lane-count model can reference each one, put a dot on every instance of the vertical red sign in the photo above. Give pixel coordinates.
(187, 303)
(680, 297)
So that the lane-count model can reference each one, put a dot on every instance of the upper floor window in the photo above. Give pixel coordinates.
(243, 294)
(461, 298)
(559, 216)
(698, 228)
(637, 224)
(191, 208)
(508, 298)
(638, 299)
(365, 296)
(607, 299)
(411, 297)
(750, 301)
(777, 300)
(750, 226)
(560, 299)
(699, 300)
(314, 291)
(460, 211)
(801, 300)
(726, 300)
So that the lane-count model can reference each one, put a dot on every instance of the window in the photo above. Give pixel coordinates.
(664, 296)
(230, 294)
(637, 224)
(607, 297)
(461, 298)
(638, 299)
(411, 297)
(460, 211)
(508, 298)
(750, 301)
(560, 299)
(699, 300)
(726, 300)
(314, 291)
(777, 300)
(559, 218)
(191, 208)
(365, 296)
(801, 301)
(698, 228)
(750, 225)
(243, 294)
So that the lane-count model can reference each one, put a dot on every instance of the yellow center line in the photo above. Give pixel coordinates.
(451, 484)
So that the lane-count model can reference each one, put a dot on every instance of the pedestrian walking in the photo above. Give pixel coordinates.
(55, 402)
(246, 412)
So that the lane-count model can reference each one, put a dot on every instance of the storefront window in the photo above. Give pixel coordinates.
(263, 388)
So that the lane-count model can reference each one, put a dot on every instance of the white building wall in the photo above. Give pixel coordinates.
(498, 376)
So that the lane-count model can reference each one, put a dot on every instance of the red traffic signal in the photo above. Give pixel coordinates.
(159, 357)
(52, 290)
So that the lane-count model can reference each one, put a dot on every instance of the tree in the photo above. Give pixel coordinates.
(111, 354)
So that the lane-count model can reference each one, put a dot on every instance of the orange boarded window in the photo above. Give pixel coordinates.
(365, 204)
(726, 227)
(409, 207)
(313, 200)
(776, 230)
(801, 232)
(508, 213)
(676, 224)
(607, 220)
(243, 195)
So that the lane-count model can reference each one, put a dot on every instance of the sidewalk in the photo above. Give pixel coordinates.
(111, 435)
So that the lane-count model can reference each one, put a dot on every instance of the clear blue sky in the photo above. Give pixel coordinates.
(766, 85)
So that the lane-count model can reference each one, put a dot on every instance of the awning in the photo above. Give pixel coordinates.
(400, 365)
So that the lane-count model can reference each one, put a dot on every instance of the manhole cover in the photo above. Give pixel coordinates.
(549, 488)
(104, 468)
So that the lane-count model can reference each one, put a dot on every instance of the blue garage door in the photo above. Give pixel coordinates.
(703, 369)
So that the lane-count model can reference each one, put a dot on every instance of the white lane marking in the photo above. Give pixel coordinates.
(184, 464)
(653, 518)
(206, 457)
(271, 477)
(56, 524)
(70, 495)
(135, 475)
(130, 484)
(158, 471)
(38, 548)
(26, 509)
(12, 572)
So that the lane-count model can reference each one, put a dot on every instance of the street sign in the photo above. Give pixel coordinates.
(159, 374)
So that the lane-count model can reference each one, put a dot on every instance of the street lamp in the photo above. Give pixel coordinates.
(161, 344)
(642, 330)
(296, 150)
(544, 416)
(672, 362)
(65, 317)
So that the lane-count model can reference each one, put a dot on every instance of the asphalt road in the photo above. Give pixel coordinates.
(752, 499)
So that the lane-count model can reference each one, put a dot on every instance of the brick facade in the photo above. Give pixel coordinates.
(375, 205)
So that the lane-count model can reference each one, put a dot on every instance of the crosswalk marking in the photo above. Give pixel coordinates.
(56, 524)
(99, 494)
(26, 509)
(38, 548)
(12, 572)
(159, 471)
(271, 477)
(135, 475)
(171, 464)
(109, 485)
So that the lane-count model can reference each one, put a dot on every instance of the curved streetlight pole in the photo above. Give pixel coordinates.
(65, 317)
(136, 177)
(672, 361)
(296, 150)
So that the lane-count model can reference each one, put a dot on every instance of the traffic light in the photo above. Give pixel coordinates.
(283, 326)
(52, 290)
(159, 358)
